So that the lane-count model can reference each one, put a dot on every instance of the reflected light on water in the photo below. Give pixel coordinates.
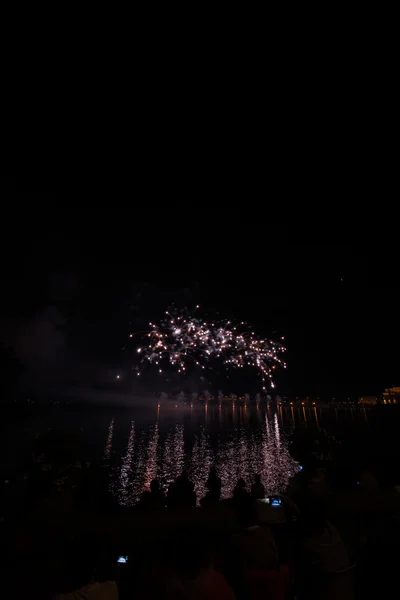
(126, 468)
(151, 462)
(277, 433)
(200, 463)
(173, 456)
(107, 451)
(237, 450)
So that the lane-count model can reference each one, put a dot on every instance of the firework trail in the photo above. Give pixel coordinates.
(182, 340)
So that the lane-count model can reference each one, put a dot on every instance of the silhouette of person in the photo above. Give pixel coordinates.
(321, 548)
(213, 484)
(154, 498)
(181, 493)
(257, 489)
(241, 497)
(195, 571)
(255, 543)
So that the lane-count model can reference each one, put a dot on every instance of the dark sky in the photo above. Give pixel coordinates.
(77, 279)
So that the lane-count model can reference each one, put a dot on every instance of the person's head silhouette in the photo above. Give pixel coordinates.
(155, 486)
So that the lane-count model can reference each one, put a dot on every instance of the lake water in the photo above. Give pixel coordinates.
(138, 445)
(240, 442)
(237, 443)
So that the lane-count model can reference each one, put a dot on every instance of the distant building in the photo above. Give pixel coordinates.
(368, 400)
(391, 395)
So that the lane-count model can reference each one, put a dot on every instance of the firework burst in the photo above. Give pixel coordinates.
(182, 340)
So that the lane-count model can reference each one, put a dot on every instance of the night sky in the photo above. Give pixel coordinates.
(77, 280)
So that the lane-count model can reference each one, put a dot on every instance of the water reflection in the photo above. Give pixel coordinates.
(151, 462)
(126, 470)
(173, 456)
(238, 441)
(200, 463)
(244, 445)
(137, 484)
(107, 450)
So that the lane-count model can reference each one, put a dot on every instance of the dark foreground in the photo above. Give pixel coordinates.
(368, 521)
(165, 544)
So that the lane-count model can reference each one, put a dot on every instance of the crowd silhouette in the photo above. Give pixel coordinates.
(248, 547)
(181, 493)
(303, 556)
(155, 498)
(258, 560)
